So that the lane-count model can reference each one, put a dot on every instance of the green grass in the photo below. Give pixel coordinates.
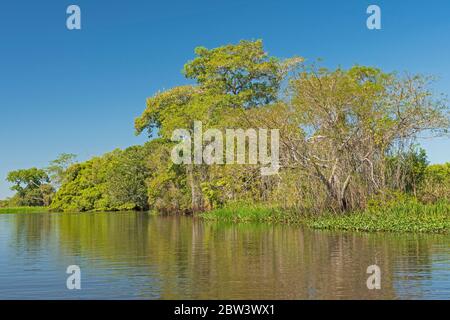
(250, 213)
(409, 216)
(401, 217)
(23, 210)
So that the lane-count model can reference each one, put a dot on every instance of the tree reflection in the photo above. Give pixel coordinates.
(190, 258)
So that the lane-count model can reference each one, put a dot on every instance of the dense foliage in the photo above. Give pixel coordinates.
(32, 187)
(115, 181)
(347, 137)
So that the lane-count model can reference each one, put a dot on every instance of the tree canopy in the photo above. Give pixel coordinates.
(346, 136)
(31, 186)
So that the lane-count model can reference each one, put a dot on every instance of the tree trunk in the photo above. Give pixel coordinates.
(194, 201)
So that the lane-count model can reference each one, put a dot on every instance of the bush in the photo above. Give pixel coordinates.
(436, 185)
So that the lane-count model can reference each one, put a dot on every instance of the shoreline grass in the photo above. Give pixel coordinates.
(403, 217)
(13, 210)
(251, 213)
(409, 217)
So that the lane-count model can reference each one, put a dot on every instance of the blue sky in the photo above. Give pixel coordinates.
(79, 91)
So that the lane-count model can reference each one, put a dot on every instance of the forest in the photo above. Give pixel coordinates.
(349, 142)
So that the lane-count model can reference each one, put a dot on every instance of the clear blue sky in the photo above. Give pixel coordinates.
(79, 91)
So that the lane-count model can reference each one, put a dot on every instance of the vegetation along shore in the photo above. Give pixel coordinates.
(349, 153)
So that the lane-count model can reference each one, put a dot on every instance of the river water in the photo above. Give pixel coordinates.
(139, 256)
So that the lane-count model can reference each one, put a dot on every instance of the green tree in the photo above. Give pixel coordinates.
(229, 80)
(350, 121)
(114, 181)
(230, 77)
(84, 188)
(406, 171)
(347, 136)
(58, 167)
(435, 186)
(126, 179)
(31, 186)
(243, 74)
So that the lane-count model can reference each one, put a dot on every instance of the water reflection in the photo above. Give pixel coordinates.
(136, 255)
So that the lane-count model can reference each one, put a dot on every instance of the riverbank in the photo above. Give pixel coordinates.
(411, 216)
(24, 210)
(407, 216)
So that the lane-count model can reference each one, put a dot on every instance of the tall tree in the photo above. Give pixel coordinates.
(349, 121)
(229, 80)
(58, 167)
(31, 186)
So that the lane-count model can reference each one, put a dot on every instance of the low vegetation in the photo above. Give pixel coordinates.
(401, 217)
(23, 210)
(241, 212)
(407, 216)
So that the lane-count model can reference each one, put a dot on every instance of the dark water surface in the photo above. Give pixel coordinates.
(139, 256)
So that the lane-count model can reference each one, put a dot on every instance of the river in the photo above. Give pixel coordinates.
(133, 255)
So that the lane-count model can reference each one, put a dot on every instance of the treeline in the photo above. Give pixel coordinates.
(347, 137)
(35, 186)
